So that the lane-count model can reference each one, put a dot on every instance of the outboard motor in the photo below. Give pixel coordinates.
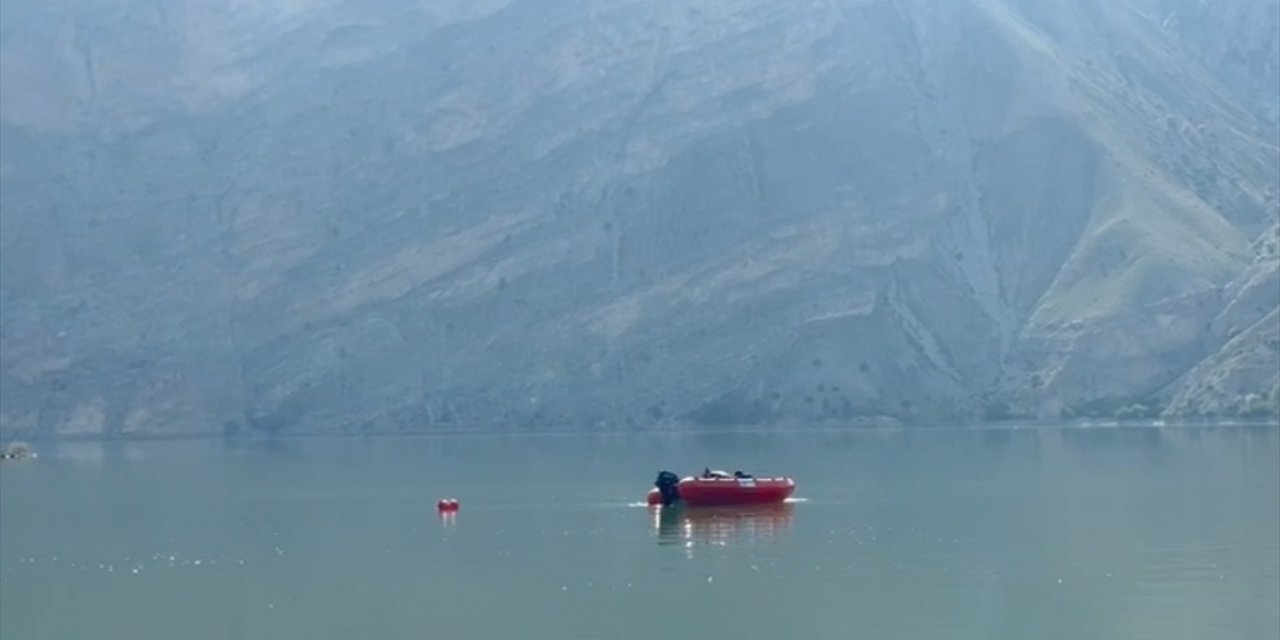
(666, 484)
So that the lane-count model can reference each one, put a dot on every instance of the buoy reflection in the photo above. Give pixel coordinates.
(685, 525)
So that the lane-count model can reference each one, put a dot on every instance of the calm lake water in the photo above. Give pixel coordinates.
(1074, 533)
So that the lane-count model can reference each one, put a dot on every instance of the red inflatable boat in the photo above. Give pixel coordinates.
(722, 490)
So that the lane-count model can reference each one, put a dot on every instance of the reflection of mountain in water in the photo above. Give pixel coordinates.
(721, 525)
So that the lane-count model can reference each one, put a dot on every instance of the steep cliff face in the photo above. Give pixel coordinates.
(328, 214)
(1239, 42)
(1242, 376)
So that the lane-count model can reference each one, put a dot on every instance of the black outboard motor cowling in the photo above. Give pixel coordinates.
(666, 484)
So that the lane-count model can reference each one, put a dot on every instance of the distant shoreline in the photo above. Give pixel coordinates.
(659, 430)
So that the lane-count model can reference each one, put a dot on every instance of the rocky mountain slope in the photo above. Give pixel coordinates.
(303, 215)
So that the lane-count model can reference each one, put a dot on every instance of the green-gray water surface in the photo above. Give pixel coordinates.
(1033, 533)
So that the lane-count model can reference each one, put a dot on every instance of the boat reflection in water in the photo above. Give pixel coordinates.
(687, 526)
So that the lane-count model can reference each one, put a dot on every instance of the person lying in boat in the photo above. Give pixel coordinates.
(707, 472)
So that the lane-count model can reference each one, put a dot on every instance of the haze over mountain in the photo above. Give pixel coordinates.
(322, 215)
